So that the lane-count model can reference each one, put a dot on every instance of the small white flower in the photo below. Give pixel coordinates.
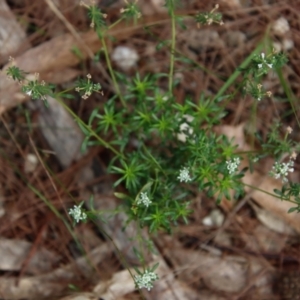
(29, 92)
(255, 159)
(184, 175)
(232, 165)
(77, 213)
(264, 62)
(145, 280)
(144, 199)
(185, 129)
(281, 170)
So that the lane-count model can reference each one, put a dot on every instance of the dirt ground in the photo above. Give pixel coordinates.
(244, 250)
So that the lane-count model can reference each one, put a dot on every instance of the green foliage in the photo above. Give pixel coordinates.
(208, 18)
(37, 90)
(171, 5)
(15, 73)
(86, 87)
(164, 152)
(162, 148)
(131, 10)
(157, 118)
(278, 142)
(290, 192)
(97, 18)
(262, 63)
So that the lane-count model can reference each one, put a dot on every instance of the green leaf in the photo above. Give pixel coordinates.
(75, 50)
(122, 196)
(278, 192)
(162, 44)
(154, 267)
(91, 202)
(292, 209)
(83, 129)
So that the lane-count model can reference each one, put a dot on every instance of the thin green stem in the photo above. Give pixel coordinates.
(267, 193)
(93, 133)
(286, 87)
(172, 58)
(60, 94)
(237, 72)
(253, 121)
(111, 72)
(153, 159)
(289, 93)
(114, 24)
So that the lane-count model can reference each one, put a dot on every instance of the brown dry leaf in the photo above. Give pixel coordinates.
(265, 240)
(61, 76)
(60, 131)
(271, 221)
(119, 285)
(12, 36)
(167, 287)
(230, 274)
(223, 274)
(50, 284)
(231, 3)
(272, 204)
(150, 7)
(81, 296)
(13, 253)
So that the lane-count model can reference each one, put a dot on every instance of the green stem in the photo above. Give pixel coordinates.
(172, 58)
(289, 93)
(60, 94)
(267, 193)
(114, 24)
(253, 121)
(94, 134)
(237, 72)
(111, 72)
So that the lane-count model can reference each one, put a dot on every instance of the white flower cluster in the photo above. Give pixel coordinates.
(144, 199)
(185, 130)
(232, 165)
(77, 213)
(145, 280)
(184, 175)
(264, 62)
(280, 170)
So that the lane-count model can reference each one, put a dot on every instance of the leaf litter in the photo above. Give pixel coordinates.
(240, 268)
